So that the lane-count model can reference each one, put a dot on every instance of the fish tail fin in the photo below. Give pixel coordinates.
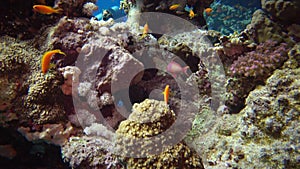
(63, 53)
(185, 70)
(59, 10)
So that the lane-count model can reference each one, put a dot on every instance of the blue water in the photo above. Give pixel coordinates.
(105, 4)
(113, 7)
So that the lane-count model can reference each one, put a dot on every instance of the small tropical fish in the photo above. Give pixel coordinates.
(47, 10)
(191, 14)
(187, 8)
(166, 94)
(47, 58)
(145, 31)
(174, 68)
(208, 11)
(174, 7)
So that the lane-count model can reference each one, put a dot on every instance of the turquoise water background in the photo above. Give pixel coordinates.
(105, 4)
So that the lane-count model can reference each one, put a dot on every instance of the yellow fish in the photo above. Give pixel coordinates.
(191, 14)
(174, 7)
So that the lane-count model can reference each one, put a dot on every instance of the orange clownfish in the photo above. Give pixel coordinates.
(43, 9)
(166, 94)
(208, 11)
(174, 7)
(47, 58)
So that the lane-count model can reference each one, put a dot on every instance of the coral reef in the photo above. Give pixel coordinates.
(182, 11)
(56, 134)
(148, 120)
(109, 85)
(228, 17)
(263, 28)
(263, 134)
(252, 69)
(90, 152)
(282, 11)
(266, 58)
(41, 104)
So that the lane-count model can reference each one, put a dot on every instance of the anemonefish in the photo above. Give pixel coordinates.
(166, 94)
(47, 58)
(47, 10)
(174, 7)
(208, 11)
(174, 68)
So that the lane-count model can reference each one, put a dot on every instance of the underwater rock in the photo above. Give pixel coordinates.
(69, 35)
(143, 128)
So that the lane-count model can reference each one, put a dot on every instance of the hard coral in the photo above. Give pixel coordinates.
(41, 103)
(73, 8)
(282, 10)
(262, 62)
(263, 28)
(147, 122)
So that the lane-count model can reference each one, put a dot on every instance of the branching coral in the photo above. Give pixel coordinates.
(262, 62)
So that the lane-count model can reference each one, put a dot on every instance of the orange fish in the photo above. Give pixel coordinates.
(47, 58)
(145, 31)
(208, 11)
(166, 94)
(43, 9)
(174, 7)
(191, 14)
(175, 69)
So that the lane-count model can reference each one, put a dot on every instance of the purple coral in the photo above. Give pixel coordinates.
(261, 62)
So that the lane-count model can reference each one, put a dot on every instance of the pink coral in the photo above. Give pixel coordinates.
(261, 62)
